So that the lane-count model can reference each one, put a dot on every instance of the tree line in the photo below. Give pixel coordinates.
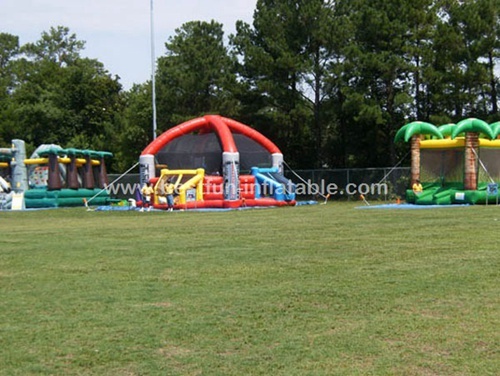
(330, 82)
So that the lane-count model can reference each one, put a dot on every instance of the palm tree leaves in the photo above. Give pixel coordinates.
(446, 129)
(417, 127)
(495, 127)
(470, 125)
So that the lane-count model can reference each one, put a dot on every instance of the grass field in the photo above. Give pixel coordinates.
(311, 290)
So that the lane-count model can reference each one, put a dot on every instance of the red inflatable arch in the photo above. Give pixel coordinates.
(218, 124)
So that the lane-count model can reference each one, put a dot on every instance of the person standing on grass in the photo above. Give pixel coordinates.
(147, 191)
(169, 192)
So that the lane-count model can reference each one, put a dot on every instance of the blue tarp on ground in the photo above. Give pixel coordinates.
(131, 208)
(115, 208)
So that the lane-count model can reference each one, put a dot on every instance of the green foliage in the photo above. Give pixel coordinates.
(136, 129)
(283, 64)
(9, 49)
(56, 46)
(330, 82)
(460, 73)
(60, 97)
(196, 76)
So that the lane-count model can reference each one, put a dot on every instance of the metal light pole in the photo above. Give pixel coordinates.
(153, 71)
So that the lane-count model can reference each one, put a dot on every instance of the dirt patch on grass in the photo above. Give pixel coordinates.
(171, 351)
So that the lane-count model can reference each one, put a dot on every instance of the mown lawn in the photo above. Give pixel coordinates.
(311, 290)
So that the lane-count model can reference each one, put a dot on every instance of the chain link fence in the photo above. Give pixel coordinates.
(383, 184)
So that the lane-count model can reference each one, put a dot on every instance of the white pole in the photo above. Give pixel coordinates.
(153, 71)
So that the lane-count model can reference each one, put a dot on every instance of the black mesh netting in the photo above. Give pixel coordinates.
(490, 165)
(252, 154)
(193, 151)
(441, 166)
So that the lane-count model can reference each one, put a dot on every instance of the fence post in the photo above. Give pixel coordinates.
(347, 182)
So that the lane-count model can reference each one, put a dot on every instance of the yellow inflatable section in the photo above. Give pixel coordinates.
(66, 160)
(459, 142)
(185, 181)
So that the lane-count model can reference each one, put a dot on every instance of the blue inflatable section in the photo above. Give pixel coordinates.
(269, 182)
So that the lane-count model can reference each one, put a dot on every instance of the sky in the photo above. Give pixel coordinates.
(118, 32)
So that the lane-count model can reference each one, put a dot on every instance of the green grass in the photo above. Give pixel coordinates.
(312, 290)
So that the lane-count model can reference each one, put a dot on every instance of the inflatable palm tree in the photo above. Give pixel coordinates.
(446, 129)
(414, 131)
(495, 127)
(472, 128)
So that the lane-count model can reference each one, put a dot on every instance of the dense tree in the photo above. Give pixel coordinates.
(477, 21)
(57, 46)
(329, 81)
(460, 74)
(377, 71)
(284, 61)
(373, 65)
(60, 97)
(9, 49)
(196, 75)
(135, 131)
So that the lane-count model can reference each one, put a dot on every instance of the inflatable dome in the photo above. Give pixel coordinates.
(216, 162)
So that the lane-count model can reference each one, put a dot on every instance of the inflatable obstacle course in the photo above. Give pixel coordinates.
(56, 177)
(217, 162)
